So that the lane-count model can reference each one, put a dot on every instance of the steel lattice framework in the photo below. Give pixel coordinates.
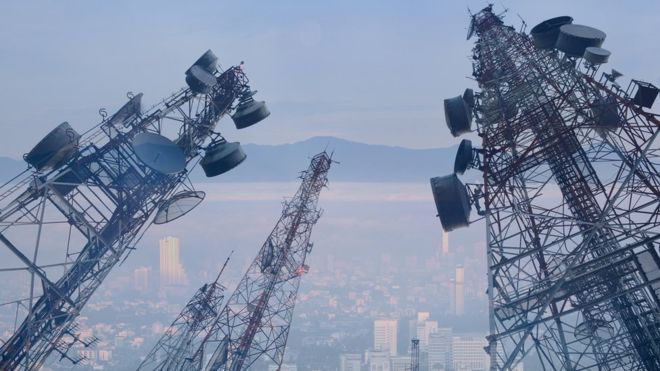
(571, 198)
(65, 228)
(254, 323)
(175, 349)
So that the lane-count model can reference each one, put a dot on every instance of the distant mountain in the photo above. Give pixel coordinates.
(359, 162)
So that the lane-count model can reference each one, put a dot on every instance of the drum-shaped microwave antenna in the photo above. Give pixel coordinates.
(596, 55)
(458, 116)
(178, 205)
(464, 156)
(574, 39)
(221, 157)
(452, 202)
(128, 110)
(249, 111)
(55, 149)
(200, 80)
(545, 33)
(207, 61)
(159, 153)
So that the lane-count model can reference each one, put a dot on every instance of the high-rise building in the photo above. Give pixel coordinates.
(385, 336)
(439, 349)
(400, 363)
(445, 243)
(171, 269)
(468, 353)
(460, 290)
(379, 361)
(350, 362)
(424, 329)
(141, 278)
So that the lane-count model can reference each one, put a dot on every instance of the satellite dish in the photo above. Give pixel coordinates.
(574, 39)
(470, 32)
(159, 153)
(207, 61)
(222, 157)
(464, 156)
(451, 201)
(128, 110)
(178, 205)
(200, 80)
(468, 97)
(55, 149)
(545, 33)
(249, 111)
(458, 116)
(596, 55)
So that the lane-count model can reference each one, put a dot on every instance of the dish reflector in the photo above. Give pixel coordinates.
(159, 153)
(452, 202)
(55, 149)
(596, 55)
(249, 114)
(458, 116)
(222, 157)
(178, 205)
(545, 33)
(574, 39)
(207, 61)
(128, 110)
(464, 156)
(200, 80)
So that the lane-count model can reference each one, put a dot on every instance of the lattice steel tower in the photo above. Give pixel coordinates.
(254, 323)
(175, 349)
(570, 196)
(85, 201)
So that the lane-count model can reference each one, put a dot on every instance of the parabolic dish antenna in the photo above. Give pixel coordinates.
(200, 80)
(55, 149)
(470, 32)
(128, 110)
(574, 39)
(178, 205)
(222, 157)
(458, 116)
(159, 153)
(452, 202)
(464, 156)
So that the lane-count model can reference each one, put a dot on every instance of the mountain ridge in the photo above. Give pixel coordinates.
(360, 162)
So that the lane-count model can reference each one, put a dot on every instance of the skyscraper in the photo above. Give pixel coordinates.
(171, 270)
(460, 290)
(385, 336)
(468, 353)
(350, 362)
(445, 243)
(439, 349)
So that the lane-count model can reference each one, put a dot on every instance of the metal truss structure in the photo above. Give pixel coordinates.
(570, 195)
(254, 323)
(414, 355)
(85, 201)
(174, 350)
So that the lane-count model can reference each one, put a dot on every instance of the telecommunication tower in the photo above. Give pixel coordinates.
(414, 355)
(570, 196)
(86, 200)
(254, 323)
(175, 349)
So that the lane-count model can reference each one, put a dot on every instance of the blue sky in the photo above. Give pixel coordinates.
(371, 71)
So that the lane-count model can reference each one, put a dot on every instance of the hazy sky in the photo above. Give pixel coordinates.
(371, 71)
